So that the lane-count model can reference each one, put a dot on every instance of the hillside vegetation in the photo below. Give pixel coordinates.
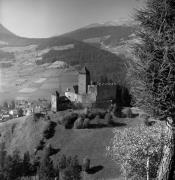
(111, 35)
(22, 133)
(30, 134)
(98, 61)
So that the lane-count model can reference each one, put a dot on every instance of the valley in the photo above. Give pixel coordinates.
(35, 68)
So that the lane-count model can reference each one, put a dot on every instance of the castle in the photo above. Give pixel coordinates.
(89, 93)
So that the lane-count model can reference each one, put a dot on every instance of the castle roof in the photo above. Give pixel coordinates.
(84, 70)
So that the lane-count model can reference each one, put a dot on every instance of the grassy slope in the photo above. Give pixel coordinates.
(88, 142)
(21, 133)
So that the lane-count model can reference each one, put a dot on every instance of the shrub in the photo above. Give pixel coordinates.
(128, 112)
(108, 118)
(69, 168)
(69, 120)
(37, 116)
(91, 115)
(49, 130)
(79, 123)
(102, 115)
(40, 145)
(50, 150)
(118, 111)
(146, 120)
(86, 123)
(13, 128)
(78, 106)
(130, 146)
(62, 162)
(83, 116)
(20, 112)
(86, 164)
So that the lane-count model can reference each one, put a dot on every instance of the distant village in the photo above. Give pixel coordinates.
(23, 107)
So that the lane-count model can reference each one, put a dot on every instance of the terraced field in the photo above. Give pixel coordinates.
(27, 79)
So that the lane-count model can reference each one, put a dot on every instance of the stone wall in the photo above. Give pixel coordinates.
(106, 92)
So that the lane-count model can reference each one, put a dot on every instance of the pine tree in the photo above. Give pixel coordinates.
(153, 71)
(70, 168)
(26, 165)
(12, 104)
(46, 169)
(13, 166)
(3, 155)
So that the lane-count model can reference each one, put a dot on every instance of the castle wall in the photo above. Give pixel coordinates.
(85, 99)
(106, 92)
(73, 97)
(92, 93)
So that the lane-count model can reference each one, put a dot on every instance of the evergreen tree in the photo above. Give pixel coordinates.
(46, 169)
(153, 71)
(3, 155)
(5, 105)
(12, 105)
(26, 165)
(70, 168)
(20, 112)
(13, 166)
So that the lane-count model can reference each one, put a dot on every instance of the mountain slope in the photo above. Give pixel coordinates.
(29, 67)
(7, 38)
(110, 35)
(98, 61)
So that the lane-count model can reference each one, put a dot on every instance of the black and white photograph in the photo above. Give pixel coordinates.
(87, 89)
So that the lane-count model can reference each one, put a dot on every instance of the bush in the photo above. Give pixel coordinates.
(40, 145)
(69, 168)
(86, 123)
(117, 111)
(146, 121)
(128, 112)
(86, 164)
(79, 123)
(49, 130)
(83, 116)
(78, 106)
(102, 115)
(108, 118)
(37, 116)
(69, 120)
(50, 150)
(91, 115)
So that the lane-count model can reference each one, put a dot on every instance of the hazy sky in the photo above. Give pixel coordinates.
(43, 18)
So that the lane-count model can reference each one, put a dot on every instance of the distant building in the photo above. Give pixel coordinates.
(89, 93)
(14, 113)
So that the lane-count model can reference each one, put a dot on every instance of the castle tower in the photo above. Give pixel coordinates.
(83, 81)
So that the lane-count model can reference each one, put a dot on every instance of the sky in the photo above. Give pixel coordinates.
(45, 18)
